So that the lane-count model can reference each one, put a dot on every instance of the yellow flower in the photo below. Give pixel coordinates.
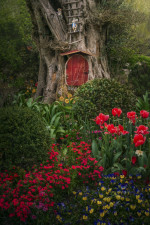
(93, 201)
(121, 176)
(108, 199)
(139, 177)
(102, 214)
(85, 217)
(74, 192)
(61, 98)
(115, 213)
(103, 188)
(110, 189)
(137, 196)
(122, 198)
(107, 207)
(87, 208)
(147, 213)
(127, 199)
(99, 202)
(69, 95)
(66, 100)
(80, 193)
(133, 207)
(84, 198)
(139, 200)
(111, 204)
(91, 211)
(59, 218)
(100, 196)
(98, 223)
(34, 90)
(118, 197)
(139, 213)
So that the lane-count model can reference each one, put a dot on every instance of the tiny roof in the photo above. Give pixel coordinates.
(76, 51)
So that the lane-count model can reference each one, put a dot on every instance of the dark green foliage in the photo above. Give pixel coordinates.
(102, 95)
(24, 139)
(139, 75)
(18, 54)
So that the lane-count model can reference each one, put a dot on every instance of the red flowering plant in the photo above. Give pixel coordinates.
(144, 114)
(116, 112)
(124, 144)
(35, 194)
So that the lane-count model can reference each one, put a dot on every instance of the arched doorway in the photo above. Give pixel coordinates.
(77, 69)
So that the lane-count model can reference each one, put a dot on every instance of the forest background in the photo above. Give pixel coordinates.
(127, 46)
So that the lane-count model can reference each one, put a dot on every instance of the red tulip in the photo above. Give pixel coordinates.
(115, 130)
(139, 140)
(134, 159)
(124, 172)
(111, 129)
(132, 116)
(142, 130)
(116, 112)
(101, 119)
(144, 114)
(121, 130)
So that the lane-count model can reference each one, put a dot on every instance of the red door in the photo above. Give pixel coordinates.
(77, 70)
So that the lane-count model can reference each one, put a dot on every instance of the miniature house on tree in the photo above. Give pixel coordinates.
(76, 68)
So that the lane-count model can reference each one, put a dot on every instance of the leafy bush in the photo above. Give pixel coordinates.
(143, 103)
(101, 95)
(139, 75)
(24, 137)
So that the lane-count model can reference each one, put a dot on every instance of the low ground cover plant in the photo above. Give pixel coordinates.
(116, 199)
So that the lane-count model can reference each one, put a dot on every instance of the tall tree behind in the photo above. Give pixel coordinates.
(53, 35)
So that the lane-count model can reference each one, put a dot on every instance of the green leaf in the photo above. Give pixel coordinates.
(117, 155)
(95, 150)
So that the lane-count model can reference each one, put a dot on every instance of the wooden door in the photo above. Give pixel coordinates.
(77, 70)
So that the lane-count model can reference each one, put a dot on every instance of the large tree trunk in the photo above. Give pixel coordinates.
(52, 36)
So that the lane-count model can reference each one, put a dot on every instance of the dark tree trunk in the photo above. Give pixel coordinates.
(53, 35)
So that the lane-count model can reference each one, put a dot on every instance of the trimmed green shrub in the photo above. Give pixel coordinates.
(101, 95)
(24, 139)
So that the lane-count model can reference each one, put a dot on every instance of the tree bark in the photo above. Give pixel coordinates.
(52, 37)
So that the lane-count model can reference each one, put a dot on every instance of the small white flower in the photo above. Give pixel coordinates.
(139, 152)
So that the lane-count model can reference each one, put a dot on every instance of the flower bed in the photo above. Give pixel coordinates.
(78, 171)
(116, 199)
(24, 199)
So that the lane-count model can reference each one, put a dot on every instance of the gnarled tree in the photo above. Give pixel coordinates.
(53, 34)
